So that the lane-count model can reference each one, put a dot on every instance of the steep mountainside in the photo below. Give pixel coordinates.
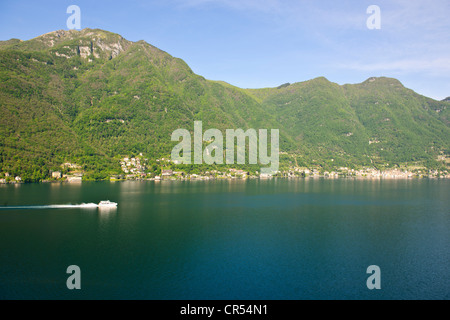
(90, 97)
(372, 123)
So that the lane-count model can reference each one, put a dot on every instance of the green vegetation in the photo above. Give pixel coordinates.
(376, 123)
(91, 97)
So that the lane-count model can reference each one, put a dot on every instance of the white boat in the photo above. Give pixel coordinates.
(107, 204)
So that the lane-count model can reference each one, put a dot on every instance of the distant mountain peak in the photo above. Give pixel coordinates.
(383, 81)
(320, 79)
(85, 43)
(72, 34)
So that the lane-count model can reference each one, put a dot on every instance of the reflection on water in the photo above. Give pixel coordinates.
(106, 216)
(242, 239)
(107, 210)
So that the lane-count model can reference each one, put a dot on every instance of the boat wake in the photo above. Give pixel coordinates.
(54, 206)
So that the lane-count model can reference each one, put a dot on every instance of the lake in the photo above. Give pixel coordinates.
(239, 239)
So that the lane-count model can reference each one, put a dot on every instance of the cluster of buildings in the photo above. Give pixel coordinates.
(167, 174)
(133, 167)
(370, 173)
(73, 177)
(9, 179)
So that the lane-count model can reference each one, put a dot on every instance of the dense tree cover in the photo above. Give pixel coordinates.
(91, 97)
(376, 123)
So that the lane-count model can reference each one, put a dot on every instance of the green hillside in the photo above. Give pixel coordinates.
(92, 97)
(378, 122)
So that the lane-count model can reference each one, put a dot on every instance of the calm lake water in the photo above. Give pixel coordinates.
(272, 239)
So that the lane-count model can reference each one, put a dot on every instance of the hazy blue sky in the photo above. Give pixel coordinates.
(264, 43)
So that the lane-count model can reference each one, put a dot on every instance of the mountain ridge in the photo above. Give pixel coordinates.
(110, 97)
(65, 35)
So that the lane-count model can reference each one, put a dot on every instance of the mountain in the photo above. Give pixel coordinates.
(375, 122)
(92, 97)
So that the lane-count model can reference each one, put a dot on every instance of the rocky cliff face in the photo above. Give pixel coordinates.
(87, 43)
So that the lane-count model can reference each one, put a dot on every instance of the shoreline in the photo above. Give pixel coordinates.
(237, 179)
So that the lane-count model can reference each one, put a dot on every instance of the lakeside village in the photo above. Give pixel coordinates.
(138, 168)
